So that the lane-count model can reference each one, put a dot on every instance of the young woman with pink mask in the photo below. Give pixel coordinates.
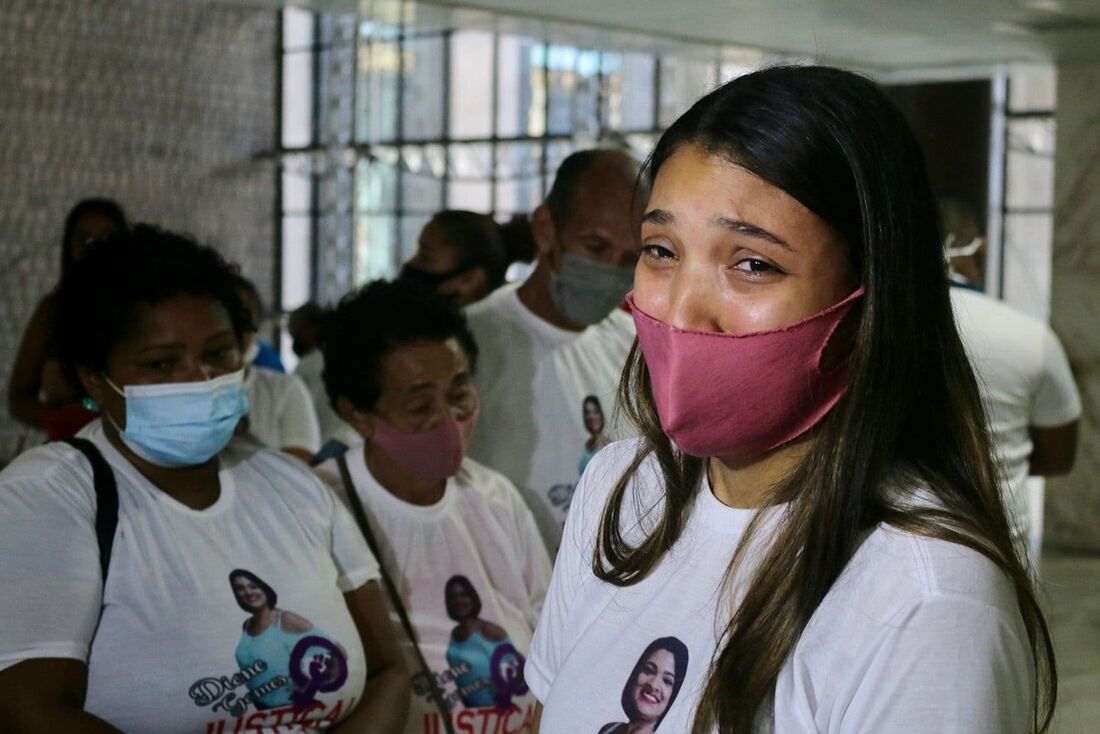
(812, 507)
(455, 538)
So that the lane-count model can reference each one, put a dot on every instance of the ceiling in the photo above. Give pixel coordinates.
(888, 35)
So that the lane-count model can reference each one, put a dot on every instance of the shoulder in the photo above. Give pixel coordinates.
(49, 478)
(274, 472)
(983, 317)
(295, 623)
(900, 582)
(645, 491)
(497, 315)
(492, 632)
(500, 300)
(619, 325)
(271, 380)
(489, 484)
(611, 462)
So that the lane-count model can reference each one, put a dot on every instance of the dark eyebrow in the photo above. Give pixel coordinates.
(175, 346)
(659, 216)
(751, 230)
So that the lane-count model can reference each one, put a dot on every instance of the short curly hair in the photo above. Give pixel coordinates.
(372, 322)
(143, 265)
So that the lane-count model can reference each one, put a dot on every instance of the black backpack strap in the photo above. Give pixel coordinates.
(360, 515)
(106, 498)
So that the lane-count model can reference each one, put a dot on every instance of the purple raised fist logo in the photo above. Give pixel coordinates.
(317, 665)
(506, 669)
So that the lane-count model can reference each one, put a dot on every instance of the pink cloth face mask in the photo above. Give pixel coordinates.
(427, 455)
(738, 397)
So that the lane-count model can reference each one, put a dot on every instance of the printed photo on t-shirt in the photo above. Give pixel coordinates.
(487, 667)
(651, 689)
(595, 423)
(283, 660)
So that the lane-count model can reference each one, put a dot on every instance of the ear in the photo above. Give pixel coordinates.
(94, 385)
(357, 419)
(544, 231)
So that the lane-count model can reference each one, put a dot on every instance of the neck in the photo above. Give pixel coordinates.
(397, 482)
(746, 484)
(642, 727)
(535, 295)
(263, 619)
(196, 487)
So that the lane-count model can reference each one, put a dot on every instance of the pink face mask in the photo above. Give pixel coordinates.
(737, 397)
(427, 455)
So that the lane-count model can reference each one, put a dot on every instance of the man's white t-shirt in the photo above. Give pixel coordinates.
(170, 652)
(533, 378)
(1025, 380)
(917, 635)
(482, 531)
(281, 413)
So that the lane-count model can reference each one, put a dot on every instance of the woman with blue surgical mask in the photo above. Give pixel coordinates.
(151, 326)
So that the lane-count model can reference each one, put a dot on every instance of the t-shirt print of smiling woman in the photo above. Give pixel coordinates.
(652, 687)
(297, 660)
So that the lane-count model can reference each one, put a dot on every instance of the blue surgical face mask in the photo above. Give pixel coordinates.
(182, 423)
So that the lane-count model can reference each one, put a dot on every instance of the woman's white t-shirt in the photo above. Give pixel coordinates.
(170, 653)
(482, 531)
(917, 635)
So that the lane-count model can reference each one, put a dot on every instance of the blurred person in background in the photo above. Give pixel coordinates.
(307, 328)
(1031, 400)
(261, 353)
(281, 413)
(40, 394)
(465, 255)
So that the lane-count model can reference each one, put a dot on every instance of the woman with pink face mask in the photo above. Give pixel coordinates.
(812, 506)
(398, 367)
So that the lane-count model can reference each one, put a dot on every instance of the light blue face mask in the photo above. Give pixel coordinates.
(182, 423)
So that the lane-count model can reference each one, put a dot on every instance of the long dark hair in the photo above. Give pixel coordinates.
(833, 141)
(679, 663)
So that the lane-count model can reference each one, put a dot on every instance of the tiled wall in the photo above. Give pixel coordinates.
(1073, 502)
(160, 104)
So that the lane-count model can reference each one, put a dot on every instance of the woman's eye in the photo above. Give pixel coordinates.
(160, 365)
(755, 266)
(657, 252)
(461, 397)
